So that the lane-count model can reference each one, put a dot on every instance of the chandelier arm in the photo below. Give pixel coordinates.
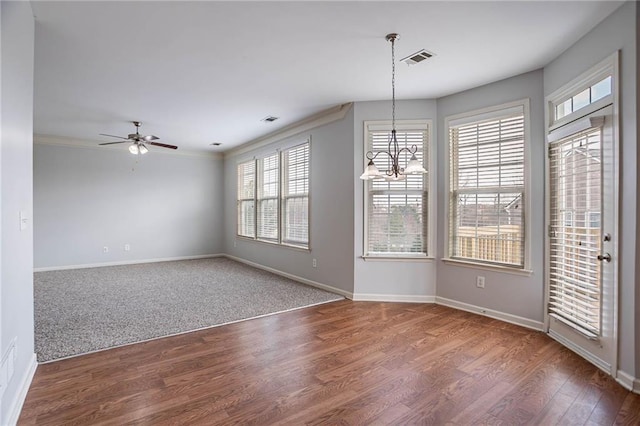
(371, 156)
(410, 150)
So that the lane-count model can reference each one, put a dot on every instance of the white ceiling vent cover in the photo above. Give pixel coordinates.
(419, 56)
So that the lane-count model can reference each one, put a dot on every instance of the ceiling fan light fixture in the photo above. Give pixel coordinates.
(133, 148)
(143, 149)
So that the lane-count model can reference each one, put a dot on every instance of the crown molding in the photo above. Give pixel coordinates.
(91, 144)
(323, 117)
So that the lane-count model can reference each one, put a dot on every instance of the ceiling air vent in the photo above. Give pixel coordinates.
(419, 56)
(269, 119)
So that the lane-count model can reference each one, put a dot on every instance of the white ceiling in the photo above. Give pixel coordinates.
(201, 72)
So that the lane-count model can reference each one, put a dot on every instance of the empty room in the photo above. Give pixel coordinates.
(301, 212)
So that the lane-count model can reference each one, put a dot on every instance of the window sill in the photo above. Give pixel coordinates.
(400, 258)
(272, 243)
(488, 267)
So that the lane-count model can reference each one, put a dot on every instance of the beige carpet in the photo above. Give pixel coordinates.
(84, 310)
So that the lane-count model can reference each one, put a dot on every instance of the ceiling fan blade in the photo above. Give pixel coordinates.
(150, 138)
(111, 143)
(163, 145)
(114, 136)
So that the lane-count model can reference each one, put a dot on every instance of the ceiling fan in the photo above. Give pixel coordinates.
(138, 141)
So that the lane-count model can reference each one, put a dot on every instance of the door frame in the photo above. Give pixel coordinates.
(608, 65)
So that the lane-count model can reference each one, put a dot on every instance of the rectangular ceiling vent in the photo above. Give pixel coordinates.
(269, 119)
(419, 56)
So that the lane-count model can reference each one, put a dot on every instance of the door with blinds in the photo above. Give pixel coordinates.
(581, 239)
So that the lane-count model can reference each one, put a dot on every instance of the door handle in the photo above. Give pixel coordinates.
(606, 257)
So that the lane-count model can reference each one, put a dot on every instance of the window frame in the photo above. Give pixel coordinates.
(261, 198)
(241, 200)
(428, 190)
(258, 180)
(475, 116)
(585, 81)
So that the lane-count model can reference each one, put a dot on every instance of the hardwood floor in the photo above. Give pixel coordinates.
(339, 363)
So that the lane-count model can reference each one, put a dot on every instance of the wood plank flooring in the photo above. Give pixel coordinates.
(342, 363)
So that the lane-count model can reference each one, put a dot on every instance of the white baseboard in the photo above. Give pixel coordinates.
(125, 262)
(502, 316)
(628, 381)
(312, 283)
(371, 297)
(15, 406)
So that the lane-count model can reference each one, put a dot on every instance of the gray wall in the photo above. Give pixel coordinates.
(618, 31)
(16, 261)
(393, 278)
(163, 205)
(331, 211)
(513, 294)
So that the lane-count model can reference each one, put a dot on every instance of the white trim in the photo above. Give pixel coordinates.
(502, 316)
(39, 139)
(125, 262)
(489, 267)
(403, 298)
(15, 406)
(628, 382)
(601, 364)
(486, 114)
(482, 112)
(402, 125)
(324, 117)
(312, 283)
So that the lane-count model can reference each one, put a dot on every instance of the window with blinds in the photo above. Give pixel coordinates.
(487, 188)
(575, 170)
(246, 199)
(267, 197)
(295, 195)
(273, 197)
(396, 211)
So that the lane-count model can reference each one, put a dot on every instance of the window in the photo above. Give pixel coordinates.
(295, 195)
(273, 203)
(585, 98)
(246, 199)
(396, 211)
(487, 187)
(268, 198)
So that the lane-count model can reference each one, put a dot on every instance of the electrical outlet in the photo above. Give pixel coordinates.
(127, 247)
(480, 281)
(315, 263)
(105, 249)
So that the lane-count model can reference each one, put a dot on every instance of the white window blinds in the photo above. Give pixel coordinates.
(486, 198)
(246, 199)
(295, 195)
(267, 197)
(574, 278)
(397, 210)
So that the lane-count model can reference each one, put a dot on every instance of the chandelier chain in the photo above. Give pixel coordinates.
(393, 84)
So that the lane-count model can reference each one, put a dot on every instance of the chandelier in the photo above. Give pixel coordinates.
(395, 173)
